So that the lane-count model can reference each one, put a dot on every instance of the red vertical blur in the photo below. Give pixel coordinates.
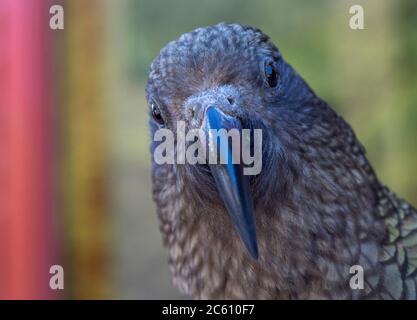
(26, 221)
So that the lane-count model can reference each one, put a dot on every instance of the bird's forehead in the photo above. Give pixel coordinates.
(208, 56)
(221, 40)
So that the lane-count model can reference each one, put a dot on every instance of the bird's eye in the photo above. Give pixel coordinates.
(156, 113)
(271, 74)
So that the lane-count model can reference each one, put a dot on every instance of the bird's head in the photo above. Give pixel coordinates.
(233, 77)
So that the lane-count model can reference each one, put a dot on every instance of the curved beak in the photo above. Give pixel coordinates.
(232, 185)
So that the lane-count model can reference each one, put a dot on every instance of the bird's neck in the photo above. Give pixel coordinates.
(208, 259)
(306, 248)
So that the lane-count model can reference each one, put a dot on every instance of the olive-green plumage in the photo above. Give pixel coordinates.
(398, 256)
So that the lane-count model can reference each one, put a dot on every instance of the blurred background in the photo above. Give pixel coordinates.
(74, 162)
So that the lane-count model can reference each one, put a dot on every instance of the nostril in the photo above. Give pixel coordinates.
(231, 100)
(191, 112)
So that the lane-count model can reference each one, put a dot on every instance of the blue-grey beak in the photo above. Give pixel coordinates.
(232, 185)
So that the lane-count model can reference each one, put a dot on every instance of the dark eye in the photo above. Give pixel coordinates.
(271, 74)
(156, 113)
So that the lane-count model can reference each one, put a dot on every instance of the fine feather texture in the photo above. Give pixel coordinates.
(319, 207)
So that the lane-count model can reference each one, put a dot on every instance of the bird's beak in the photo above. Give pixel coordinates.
(232, 184)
